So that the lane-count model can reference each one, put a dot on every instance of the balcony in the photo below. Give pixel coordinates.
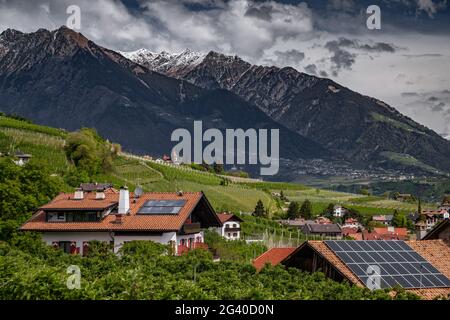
(229, 229)
(190, 228)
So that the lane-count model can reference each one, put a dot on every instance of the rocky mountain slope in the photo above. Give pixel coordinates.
(62, 79)
(362, 129)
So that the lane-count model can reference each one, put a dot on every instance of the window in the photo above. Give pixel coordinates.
(235, 234)
(235, 225)
(61, 216)
(65, 246)
(84, 216)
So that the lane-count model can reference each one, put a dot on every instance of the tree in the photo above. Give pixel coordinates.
(218, 168)
(23, 189)
(328, 211)
(306, 209)
(282, 196)
(399, 220)
(90, 152)
(259, 209)
(419, 207)
(364, 191)
(293, 210)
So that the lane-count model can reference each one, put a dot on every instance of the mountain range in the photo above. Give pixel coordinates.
(62, 79)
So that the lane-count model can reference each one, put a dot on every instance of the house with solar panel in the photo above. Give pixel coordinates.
(102, 213)
(421, 267)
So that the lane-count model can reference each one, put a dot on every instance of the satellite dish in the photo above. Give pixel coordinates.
(138, 192)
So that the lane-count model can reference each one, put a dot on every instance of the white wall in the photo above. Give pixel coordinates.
(229, 224)
(78, 237)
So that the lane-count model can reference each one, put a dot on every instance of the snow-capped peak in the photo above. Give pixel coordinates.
(164, 61)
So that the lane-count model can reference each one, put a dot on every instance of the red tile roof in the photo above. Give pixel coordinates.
(349, 230)
(273, 256)
(224, 217)
(130, 222)
(386, 234)
(66, 201)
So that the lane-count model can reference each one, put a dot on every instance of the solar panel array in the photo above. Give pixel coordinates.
(162, 207)
(392, 261)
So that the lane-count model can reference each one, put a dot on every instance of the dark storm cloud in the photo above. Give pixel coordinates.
(342, 59)
(263, 12)
(357, 45)
(311, 69)
(289, 57)
(425, 55)
(434, 101)
(409, 94)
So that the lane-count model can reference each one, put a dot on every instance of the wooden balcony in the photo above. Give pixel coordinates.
(190, 228)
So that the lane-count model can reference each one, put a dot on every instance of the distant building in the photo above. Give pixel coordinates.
(231, 226)
(339, 211)
(403, 197)
(387, 233)
(432, 217)
(21, 158)
(440, 231)
(384, 219)
(322, 230)
(352, 223)
(167, 159)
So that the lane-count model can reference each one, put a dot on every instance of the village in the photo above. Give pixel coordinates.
(99, 212)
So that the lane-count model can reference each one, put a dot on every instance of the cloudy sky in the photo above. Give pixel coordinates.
(406, 63)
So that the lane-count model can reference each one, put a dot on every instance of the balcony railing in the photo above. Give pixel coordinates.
(228, 229)
(189, 228)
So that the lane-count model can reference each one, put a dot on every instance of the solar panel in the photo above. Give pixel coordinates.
(162, 207)
(393, 262)
(164, 203)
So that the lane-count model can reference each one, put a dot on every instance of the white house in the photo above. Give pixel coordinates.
(231, 226)
(21, 158)
(71, 220)
(339, 211)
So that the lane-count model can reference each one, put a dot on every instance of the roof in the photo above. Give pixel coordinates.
(322, 228)
(387, 217)
(272, 256)
(439, 227)
(66, 201)
(130, 222)
(396, 231)
(385, 234)
(224, 217)
(434, 251)
(349, 230)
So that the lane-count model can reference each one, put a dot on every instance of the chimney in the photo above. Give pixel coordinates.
(421, 230)
(99, 195)
(124, 200)
(79, 195)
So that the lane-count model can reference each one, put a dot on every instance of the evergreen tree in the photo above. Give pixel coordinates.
(293, 210)
(259, 209)
(306, 209)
